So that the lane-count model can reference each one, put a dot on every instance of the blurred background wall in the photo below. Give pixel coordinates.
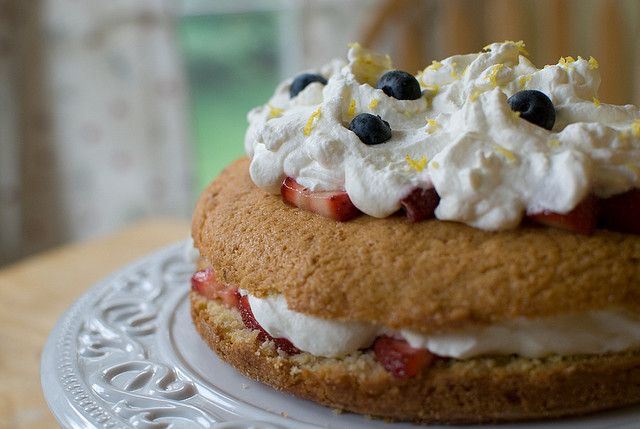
(93, 130)
(116, 110)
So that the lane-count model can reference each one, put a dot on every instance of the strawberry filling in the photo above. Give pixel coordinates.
(334, 205)
(251, 323)
(395, 355)
(420, 204)
(619, 213)
(399, 358)
(204, 282)
(582, 219)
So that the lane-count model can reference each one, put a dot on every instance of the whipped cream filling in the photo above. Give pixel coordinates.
(488, 165)
(317, 336)
(593, 332)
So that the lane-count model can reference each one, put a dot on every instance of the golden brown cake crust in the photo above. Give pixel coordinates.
(423, 276)
(489, 389)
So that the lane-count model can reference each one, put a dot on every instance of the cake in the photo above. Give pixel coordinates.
(458, 246)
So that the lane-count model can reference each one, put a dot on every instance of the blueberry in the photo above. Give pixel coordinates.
(400, 85)
(535, 107)
(371, 129)
(301, 82)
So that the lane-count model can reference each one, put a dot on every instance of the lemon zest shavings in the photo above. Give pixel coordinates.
(565, 61)
(369, 66)
(432, 88)
(623, 135)
(492, 76)
(373, 103)
(553, 143)
(596, 102)
(515, 114)
(454, 74)
(593, 63)
(274, 111)
(432, 124)
(435, 65)
(635, 128)
(416, 165)
(633, 168)
(524, 79)
(435, 164)
(433, 92)
(311, 122)
(519, 44)
(352, 108)
(475, 95)
(506, 152)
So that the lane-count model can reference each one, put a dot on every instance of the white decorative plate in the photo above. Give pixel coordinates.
(126, 355)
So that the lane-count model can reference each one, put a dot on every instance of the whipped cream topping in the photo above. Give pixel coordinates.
(592, 332)
(488, 165)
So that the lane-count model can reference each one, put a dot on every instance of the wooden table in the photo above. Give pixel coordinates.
(35, 292)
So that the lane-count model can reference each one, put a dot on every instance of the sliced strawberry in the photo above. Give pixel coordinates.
(335, 205)
(399, 358)
(621, 212)
(582, 219)
(204, 282)
(249, 320)
(230, 296)
(420, 204)
(251, 323)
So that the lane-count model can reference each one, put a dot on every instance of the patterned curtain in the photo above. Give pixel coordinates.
(93, 130)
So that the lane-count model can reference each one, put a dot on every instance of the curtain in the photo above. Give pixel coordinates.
(93, 129)
(415, 32)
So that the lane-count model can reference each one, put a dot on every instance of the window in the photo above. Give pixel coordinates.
(235, 53)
